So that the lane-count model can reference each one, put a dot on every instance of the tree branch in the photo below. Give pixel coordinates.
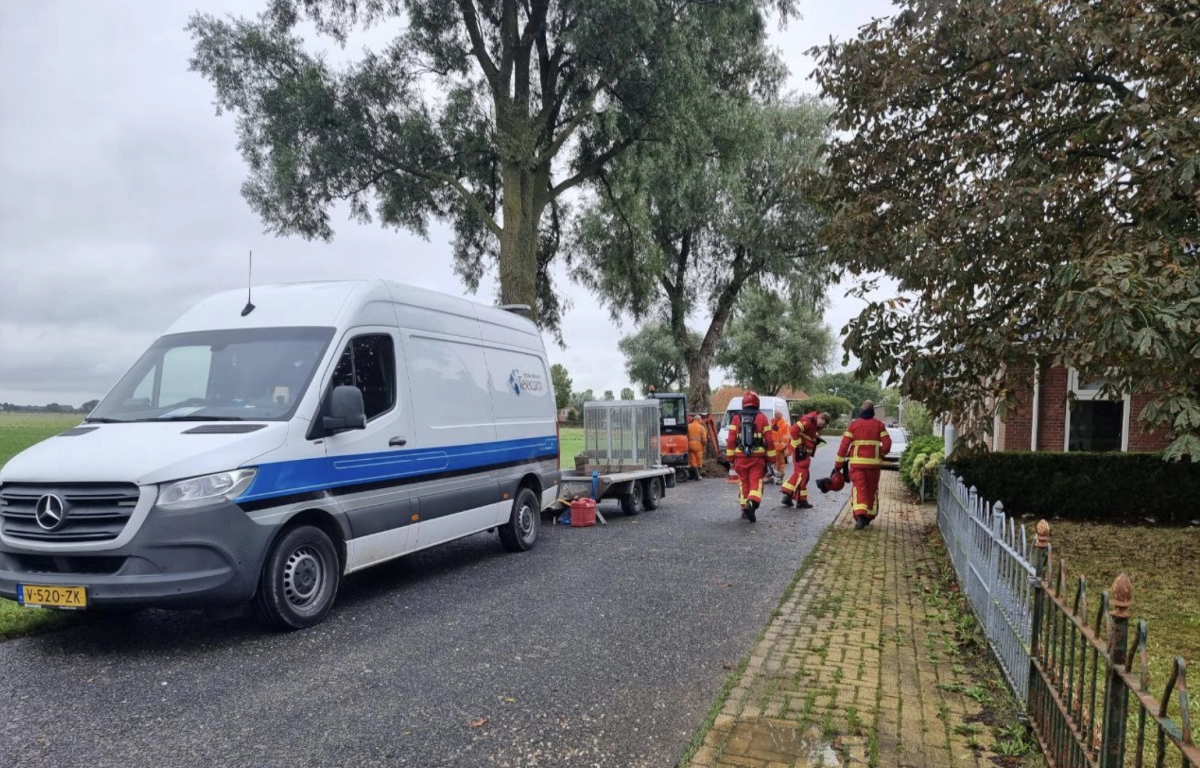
(468, 197)
(590, 169)
(585, 109)
(478, 47)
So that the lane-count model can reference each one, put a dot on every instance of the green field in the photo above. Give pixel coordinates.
(570, 444)
(18, 431)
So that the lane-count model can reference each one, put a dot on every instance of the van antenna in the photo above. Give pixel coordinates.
(249, 282)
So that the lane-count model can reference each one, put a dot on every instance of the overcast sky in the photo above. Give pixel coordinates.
(120, 202)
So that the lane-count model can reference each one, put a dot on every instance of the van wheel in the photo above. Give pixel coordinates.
(300, 579)
(520, 533)
(653, 492)
(633, 503)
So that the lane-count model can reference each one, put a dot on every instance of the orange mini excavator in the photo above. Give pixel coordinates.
(673, 436)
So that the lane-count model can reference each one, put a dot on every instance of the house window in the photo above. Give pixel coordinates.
(1095, 423)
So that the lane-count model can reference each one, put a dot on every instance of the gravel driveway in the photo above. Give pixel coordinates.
(603, 646)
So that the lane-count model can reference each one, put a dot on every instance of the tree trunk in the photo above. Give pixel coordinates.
(519, 239)
(699, 362)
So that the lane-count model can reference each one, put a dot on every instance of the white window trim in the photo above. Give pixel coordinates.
(1092, 394)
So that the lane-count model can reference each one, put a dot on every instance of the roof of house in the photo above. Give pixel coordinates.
(720, 400)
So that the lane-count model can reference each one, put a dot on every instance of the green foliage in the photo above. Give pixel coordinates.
(608, 395)
(1027, 172)
(627, 393)
(1117, 487)
(917, 420)
(479, 113)
(562, 385)
(774, 341)
(687, 224)
(836, 407)
(921, 448)
(849, 386)
(653, 359)
(579, 398)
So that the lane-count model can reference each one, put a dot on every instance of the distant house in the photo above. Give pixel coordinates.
(720, 400)
(1047, 419)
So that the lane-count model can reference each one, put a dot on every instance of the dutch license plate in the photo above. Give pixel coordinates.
(55, 597)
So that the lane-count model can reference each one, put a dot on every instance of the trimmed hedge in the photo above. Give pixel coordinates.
(1113, 487)
(927, 444)
(835, 406)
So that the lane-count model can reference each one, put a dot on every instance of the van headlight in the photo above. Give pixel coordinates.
(199, 491)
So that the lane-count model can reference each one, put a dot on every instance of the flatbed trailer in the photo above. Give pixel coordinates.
(622, 457)
(637, 489)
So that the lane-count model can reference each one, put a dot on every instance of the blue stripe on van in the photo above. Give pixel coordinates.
(285, 478)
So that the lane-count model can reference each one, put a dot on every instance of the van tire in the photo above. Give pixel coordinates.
(299, 580)
(520, 533)
(654, 492)
(633, 504)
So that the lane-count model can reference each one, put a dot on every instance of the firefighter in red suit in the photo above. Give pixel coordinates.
(749, 449)
(805, 435)
(864, 445)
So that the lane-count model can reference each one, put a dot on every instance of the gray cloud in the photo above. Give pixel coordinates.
(120, 202)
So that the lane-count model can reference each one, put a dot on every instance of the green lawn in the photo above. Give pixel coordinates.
(570, 444)
(1163, 565)
(18, 431)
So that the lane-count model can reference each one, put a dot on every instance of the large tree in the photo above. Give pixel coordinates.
(483, 113)
(683, 227)
(775, 341)
(855, 388)
(653, 358)
(1029, 172)
(562, 385)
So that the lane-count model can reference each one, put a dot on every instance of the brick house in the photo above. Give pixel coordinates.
(1047, 419)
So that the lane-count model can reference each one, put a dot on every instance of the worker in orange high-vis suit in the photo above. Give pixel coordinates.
(748, 448)
(781, 433)
(864, 445)
(805, 436)
(697, 436)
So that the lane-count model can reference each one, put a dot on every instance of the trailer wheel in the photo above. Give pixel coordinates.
(633, 503)
(653, 492)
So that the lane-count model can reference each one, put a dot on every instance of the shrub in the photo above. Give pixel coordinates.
(1114, 487)
(835, 406)
(926, 445)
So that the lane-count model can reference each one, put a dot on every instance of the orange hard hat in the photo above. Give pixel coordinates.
(750, 399)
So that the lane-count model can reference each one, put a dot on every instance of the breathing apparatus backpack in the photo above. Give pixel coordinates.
(746, 440)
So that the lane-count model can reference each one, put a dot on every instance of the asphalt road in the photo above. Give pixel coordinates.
(603, 646)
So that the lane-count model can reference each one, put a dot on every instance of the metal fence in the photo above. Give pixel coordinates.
(1077, 682)
(992, 558)
(622, 432)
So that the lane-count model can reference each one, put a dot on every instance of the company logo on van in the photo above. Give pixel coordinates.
(525, 382)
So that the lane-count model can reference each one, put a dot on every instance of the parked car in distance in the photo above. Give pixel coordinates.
(891, 460)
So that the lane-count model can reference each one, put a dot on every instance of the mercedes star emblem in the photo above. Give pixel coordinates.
(50, 512)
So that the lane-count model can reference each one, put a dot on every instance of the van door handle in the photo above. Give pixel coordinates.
(397, 442)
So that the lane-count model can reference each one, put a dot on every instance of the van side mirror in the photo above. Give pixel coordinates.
(346, 410)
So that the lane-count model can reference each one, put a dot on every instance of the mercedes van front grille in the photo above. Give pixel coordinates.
(66, 512)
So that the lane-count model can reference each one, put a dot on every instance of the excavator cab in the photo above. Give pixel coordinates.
(673, 428)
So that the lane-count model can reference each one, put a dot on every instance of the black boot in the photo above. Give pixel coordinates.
(787, 499)
(803, 504)
(860, 522)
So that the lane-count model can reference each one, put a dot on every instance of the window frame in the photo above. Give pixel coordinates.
(350, 339)
(1075, 393)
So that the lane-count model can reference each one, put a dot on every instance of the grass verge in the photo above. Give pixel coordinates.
(1164, 566)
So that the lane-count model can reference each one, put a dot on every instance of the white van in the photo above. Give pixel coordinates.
(262, 452)
(768, 404)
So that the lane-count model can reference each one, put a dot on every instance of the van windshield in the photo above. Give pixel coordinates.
(251, 374)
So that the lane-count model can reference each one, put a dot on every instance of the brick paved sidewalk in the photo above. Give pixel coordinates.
(857, 667)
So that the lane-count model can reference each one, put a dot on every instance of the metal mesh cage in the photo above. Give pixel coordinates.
(622, 433)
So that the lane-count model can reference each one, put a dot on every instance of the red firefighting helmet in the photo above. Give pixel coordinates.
(834, 482)
(750, 399)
